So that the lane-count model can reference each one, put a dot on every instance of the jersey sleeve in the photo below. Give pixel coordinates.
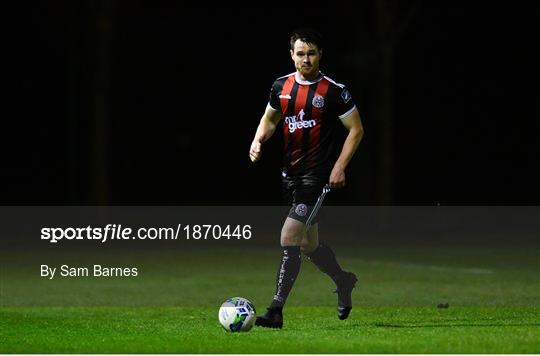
(345, 103)
(273, 101)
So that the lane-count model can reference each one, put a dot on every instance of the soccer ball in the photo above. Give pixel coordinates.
(237, 314)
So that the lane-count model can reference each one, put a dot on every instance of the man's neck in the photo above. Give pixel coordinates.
(303, 80)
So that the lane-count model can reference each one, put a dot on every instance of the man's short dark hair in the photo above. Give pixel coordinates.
(307, 35)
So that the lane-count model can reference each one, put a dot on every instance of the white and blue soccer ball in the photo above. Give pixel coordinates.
(237, 314)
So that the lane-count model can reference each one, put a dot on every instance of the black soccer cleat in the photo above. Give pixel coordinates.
(343, 312)
(345, 284)
(273, 318)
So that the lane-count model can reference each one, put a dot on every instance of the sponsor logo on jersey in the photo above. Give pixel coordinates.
(286, 96)
(318, 101)
(296, 122)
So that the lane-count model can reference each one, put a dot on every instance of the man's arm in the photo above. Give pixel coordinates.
(266, 129)
(352, 123)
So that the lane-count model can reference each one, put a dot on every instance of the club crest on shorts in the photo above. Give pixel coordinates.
(301, 209)
(318, 101)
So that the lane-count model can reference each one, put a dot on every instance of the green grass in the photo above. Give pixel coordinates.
(307, 330)
(493, 292)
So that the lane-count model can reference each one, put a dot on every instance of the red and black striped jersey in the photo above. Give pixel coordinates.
(311, 113)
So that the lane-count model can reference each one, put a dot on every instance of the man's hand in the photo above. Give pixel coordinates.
(255, 151)
(337, 177)
(265, 130)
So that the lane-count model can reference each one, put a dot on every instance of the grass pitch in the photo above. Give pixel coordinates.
(307, 330)
(493, 295)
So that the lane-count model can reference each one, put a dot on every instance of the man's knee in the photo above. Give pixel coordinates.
(290, 240)
(311, 240)
(292, 233)
(307, 247)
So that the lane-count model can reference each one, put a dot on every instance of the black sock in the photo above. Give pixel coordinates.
(324, 258)
(288, 270)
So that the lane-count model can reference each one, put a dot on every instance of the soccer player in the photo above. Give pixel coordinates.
(311, 107)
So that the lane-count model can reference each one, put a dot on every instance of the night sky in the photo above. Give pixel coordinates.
(156, 102)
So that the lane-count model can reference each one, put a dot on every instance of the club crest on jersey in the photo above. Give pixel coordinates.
(318, 101)
(296, 122)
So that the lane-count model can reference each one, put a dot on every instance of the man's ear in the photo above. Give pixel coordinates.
(320, 53)
(292, 53)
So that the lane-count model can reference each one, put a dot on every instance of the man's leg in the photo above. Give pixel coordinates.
(325, 259)
(292, 234)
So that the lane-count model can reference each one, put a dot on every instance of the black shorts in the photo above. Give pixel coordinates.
(305, 194)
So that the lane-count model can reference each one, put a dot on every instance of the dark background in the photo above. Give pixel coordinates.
(156, 102)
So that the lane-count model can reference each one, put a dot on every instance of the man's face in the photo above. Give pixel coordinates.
(306, 58)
